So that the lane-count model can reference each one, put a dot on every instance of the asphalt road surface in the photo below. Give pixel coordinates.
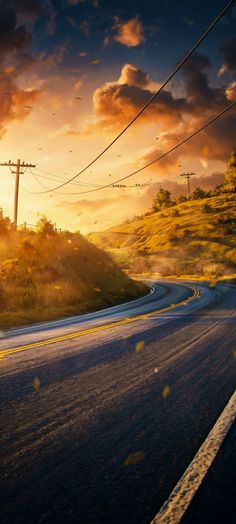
(102, 414)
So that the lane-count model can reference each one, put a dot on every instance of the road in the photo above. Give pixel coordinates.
(102, 414)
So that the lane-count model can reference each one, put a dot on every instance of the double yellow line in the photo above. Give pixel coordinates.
(97, 329)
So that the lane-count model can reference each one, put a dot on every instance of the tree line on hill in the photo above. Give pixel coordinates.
(163, 198)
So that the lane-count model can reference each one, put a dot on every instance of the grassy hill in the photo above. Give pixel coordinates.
(193, 239)
(47, 275)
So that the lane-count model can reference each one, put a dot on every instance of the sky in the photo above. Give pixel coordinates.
(73, 73)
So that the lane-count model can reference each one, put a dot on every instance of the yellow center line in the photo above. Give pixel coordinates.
(96, 329)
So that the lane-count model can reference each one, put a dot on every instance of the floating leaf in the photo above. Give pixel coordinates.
(37, 383)
(205, 150)
(139, 346)
(166, 391)
(134, 458)
(9, 70)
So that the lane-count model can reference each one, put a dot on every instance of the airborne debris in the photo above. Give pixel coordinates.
(166, 391)
(139, 346)
(134, 458)
(37, 383)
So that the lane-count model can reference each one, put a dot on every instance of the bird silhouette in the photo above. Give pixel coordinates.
(70, 151)
(78, 98)
(29, 107)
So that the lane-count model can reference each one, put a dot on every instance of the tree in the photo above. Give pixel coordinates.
(162, 200)
(181, 199)
(45, 226)
(230, 174)
(199, 193)
(5, 223)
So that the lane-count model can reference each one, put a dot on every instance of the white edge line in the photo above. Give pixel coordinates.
(27, 329)
(175, 506)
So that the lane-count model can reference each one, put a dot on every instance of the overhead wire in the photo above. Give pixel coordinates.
(209, 122)
(153, 97)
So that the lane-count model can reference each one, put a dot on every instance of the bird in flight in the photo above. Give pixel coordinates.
(119, 156)
(157, 137)
(70, 151)
(110, 174)
(78, 98)
(53, 114)
(29, 107)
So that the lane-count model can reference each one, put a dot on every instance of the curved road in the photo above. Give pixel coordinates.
(102, 414)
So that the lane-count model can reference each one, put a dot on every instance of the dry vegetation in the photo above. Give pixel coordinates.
(196, 238)
(46, 275)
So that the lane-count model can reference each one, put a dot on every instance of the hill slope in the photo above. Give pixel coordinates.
(50, 275)
(196, 238)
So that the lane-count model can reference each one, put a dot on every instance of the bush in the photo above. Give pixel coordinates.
(206, 208)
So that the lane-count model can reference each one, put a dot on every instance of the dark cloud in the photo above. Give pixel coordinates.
(229, 54)
(29, 7)
(13, 38)
(15, 60)
(200, 95)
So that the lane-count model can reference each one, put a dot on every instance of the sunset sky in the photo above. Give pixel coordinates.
(84, 68)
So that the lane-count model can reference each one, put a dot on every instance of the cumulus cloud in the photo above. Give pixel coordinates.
(231, 91)
(117, 102)
(218, 140)
(129, 33)
(201, 96)
(202, 101)
(132, 76)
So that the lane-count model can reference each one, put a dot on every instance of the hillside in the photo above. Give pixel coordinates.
(196, 238)
(46, 275)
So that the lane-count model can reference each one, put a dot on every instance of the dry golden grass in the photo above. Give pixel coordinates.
(47, 276)
(200, 242)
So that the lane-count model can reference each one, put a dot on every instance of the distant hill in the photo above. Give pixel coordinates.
(46, 275)
(196, 238)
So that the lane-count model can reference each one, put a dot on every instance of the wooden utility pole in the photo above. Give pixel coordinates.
(188, 176)
(18, 165)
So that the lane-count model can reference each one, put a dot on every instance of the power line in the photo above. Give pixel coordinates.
(161, 156)
(54, 177)
(176, 69)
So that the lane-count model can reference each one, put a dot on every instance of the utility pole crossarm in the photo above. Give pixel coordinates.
(18, 165)
(188, 176)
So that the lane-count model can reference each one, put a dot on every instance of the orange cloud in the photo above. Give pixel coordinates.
(231, 91)
(130, 33)
(116, 102)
